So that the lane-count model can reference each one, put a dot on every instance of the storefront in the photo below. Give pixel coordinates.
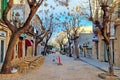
(4, 40)
(2, 45)
(29, 47)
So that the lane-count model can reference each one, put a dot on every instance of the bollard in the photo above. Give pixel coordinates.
(59, 60)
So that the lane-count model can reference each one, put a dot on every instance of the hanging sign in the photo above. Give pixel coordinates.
(112, 31)
(95, 38)
(3, 34)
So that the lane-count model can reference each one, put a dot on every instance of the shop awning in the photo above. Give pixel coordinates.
(28, 42)
(23, 35)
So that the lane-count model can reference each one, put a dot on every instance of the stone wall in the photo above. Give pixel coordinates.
(117, 47)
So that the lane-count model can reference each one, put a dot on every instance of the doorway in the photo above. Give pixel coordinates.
(20, 49)
(105, 53)
(2, 50)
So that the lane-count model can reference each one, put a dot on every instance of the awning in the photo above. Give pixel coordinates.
(23, 35)
(28, 42)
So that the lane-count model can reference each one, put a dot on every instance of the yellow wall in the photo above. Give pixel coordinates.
(86, 29)
(6, 38)
(18, 1)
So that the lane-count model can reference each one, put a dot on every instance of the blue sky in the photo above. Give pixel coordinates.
(56, 9)
(61, 9)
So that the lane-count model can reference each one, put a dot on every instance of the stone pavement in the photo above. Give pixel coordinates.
(100, 65)
(70, 70)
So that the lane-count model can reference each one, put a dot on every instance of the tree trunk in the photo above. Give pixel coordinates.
(107, 39)
(6, 68)
(36, 48)
(96, 44)
(45, 50)
(69, 48)
(60, 47)
(36, 45)
(110, 59)
(76, 49)
(45, 47)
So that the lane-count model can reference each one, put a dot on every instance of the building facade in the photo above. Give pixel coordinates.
(18, 16)
(4, 32)
(4, 40)
(85, 41)
(100, 49)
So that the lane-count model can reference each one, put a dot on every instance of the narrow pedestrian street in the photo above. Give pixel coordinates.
(69, 70)
(60, 40)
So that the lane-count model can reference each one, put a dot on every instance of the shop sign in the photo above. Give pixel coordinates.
(112, 31)
(95, 38)
(3, 34)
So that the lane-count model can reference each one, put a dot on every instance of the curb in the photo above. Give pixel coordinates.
(108, 77)
(93, 65)
(103, 77)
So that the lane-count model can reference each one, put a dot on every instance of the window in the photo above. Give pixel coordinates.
(37, 32)
(32, 29)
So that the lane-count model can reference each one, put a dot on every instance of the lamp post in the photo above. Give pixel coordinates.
(85, 49)
(112, 37)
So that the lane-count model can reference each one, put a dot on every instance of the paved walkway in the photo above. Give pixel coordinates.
(70, 70)
(100, 65)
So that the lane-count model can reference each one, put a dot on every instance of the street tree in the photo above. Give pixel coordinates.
(49, 28)
(48, 23)
(60, 40)
(16, 31)
(48, 36)
(69, 36)
(39, 37)
(104, 22)
(75, 28)
(74, 38)
(49, 20)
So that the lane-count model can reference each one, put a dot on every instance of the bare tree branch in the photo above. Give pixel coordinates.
(42, 27)
(39, 3)
(7, 22)
(42, 37)
(31, 3)
(41, 34)
(33, 10)
(91, 14)
(105, 34)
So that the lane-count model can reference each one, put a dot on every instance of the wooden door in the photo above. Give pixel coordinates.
(20, 49)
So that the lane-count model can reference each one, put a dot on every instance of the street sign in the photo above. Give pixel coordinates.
(112, 30)
(95, 38)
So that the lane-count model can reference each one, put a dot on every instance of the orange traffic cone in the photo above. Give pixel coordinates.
(59, 60)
